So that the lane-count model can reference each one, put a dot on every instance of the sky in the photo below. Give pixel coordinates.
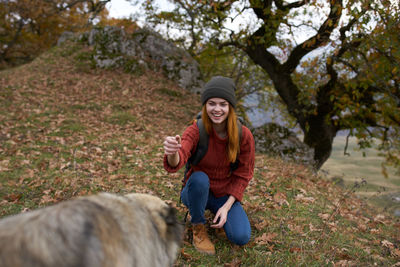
(119, 8)
(123, 8)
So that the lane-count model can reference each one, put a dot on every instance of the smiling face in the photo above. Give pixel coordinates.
(217, 109)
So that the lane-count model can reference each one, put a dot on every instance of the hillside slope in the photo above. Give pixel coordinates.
(67, 130)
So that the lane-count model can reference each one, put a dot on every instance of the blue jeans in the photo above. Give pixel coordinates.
(196, 195)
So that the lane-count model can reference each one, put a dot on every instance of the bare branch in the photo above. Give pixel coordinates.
(262, 9)
(345, 153)
(282, 7)
(318, 39)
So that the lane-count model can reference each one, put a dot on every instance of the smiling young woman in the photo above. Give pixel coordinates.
(212, 184)
(229, 126)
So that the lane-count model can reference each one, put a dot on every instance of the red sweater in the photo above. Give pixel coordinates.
(215, 163)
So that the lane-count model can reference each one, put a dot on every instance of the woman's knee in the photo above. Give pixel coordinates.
(238, 227)
(199, 181)
(241, 238)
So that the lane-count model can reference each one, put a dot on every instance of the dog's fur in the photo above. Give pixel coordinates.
(104, 230)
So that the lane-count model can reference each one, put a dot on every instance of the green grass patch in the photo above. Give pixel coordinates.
(121, 118)
(132, 65)
(6, 95)
(169, 92)
(121, 106)
(92, 106)
(72, 126)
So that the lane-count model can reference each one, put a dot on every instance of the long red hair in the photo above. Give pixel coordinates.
(231, 129)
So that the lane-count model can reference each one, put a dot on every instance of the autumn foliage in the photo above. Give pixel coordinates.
(29, 27)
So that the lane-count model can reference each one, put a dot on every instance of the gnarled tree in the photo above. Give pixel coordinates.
(334, 63)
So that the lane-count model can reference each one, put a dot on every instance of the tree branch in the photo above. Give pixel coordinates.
(318, 39)
(261, 8)
(282, 7)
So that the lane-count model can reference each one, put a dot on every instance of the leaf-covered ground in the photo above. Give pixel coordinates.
(67, 129)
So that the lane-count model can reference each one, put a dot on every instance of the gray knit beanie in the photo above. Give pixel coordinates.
(221, 87)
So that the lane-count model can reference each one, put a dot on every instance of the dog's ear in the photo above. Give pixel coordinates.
(170, 216)
(174, 227)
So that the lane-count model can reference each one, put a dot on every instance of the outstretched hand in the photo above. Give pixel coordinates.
(172, 144)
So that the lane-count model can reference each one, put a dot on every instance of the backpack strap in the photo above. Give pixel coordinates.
(202, 145)
(201, 149)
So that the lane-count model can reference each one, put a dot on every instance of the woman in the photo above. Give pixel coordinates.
(212, 184)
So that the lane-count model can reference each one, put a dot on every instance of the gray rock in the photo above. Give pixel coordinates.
(276, 140)
(144, 49)
(64, 37)
(397, 213)
(176, 63)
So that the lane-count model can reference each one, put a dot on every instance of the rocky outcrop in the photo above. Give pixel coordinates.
(140, 51)
(176, 63)
(276, 140)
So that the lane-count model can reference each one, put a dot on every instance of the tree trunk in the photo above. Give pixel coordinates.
(320, 137)
(319, 130)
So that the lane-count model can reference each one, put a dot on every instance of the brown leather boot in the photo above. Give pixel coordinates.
(201, 241)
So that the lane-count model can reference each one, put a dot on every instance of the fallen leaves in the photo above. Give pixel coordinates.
(387, 244)
(380, 218)
(393, 250)
(312, 228)
(234, 263)
(261, 225)
(266, 238)
(324, 216)
(14, 197)
(304, 199)
(281, 199)
(4, 165)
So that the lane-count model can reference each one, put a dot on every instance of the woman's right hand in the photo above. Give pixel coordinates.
(172, 144)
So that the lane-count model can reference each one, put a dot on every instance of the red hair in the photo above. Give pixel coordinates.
(231, 130)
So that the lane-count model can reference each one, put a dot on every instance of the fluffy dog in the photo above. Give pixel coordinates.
(103, 230)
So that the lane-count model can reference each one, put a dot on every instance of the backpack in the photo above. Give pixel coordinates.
(202, 146)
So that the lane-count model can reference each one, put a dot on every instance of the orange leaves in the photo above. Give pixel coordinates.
(280, 198)
(234, 263)
(266, 239)
(14, 197)
(296, 228)
(47, 198)
(4, 165)
(35, 25)
(185, 255)
(304, 199)
(324, 216)
(380, 218)
(393, 250)
(262, 224)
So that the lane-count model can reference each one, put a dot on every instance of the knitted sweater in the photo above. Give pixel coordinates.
(215, 163)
